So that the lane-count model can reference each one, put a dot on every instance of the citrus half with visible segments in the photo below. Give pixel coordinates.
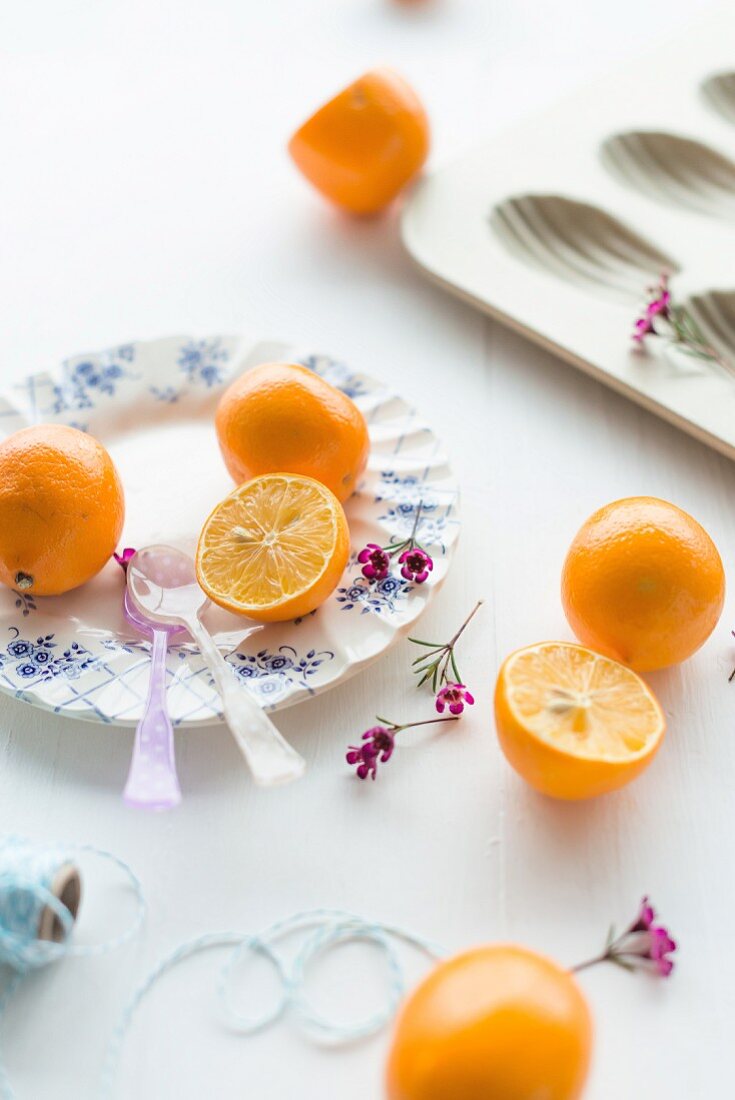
(495, 1023)
(274, 549)
(573, 723)
(285, 418)
(61, 509)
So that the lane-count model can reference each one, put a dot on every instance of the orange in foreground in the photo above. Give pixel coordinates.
(496, 1023)
(643, 582)
(61, 509)
(284, 418)
(274, 549)
(364, 145)
(573, 723)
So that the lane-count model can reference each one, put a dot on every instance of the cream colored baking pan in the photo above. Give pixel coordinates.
(559, 227)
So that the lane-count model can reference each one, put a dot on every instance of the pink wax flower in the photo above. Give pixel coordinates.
(658, 305)
(123, 560)
(644, 945)
(377, 745)
(454, 696)
(375, 562)
(438, 666)
(677, 325)
(416, 565)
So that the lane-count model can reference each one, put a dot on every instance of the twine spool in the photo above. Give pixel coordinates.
(67, 889)
(40, 896)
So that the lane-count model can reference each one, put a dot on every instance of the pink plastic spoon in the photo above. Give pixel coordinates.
(163, 586)
(152, 780)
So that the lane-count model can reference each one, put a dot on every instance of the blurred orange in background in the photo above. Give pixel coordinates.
(364, 145)
(495, 1023)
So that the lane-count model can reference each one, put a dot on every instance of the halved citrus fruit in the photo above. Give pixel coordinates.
(573, 723)
(274, 549)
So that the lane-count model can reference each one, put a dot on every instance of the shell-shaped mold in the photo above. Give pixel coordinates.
(673, 169)
(714, 312)
(580, 243)
(719, 91)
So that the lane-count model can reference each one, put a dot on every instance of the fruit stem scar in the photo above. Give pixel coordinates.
(23, 581)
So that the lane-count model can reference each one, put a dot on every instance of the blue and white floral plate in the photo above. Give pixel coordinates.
(152, 404)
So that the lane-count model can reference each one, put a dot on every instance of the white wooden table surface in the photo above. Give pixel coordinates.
(144, 190)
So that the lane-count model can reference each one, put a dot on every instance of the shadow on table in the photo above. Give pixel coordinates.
(89, 755)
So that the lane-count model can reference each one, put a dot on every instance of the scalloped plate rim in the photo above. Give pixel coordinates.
(335, 370)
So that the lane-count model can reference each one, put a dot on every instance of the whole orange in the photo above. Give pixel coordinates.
(61, 509)
(283, 418)
(495, 1023)
(364, 145)
(643, 583)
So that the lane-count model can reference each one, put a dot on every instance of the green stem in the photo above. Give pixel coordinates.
(604, 957)
(428, 722)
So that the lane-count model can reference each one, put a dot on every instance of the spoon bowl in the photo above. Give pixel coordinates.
(163, 588)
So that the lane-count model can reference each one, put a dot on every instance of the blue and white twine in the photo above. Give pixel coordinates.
(327, 928)
(27, 875)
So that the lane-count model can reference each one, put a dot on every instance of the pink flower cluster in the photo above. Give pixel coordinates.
(646, 943)
(658, 305)
(377, 747)
(415, 563)
(375, 560)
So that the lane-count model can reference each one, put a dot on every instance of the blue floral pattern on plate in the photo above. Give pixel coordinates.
(38, 659)
(85, 380)
(269, 674)
(75, 654)
(378, 597)
(203, 361)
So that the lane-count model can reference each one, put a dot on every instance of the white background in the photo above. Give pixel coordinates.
(144, 190)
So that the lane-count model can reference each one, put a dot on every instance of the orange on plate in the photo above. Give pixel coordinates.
(495, 1023)
(643, 582)
(364, 145)
(573, 723)
(284, 418)
(274, 549)
(61, 509)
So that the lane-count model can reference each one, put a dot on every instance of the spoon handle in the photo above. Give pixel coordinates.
(152, 781)
(270, 758)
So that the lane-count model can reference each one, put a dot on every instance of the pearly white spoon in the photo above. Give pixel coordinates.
(162, 584)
